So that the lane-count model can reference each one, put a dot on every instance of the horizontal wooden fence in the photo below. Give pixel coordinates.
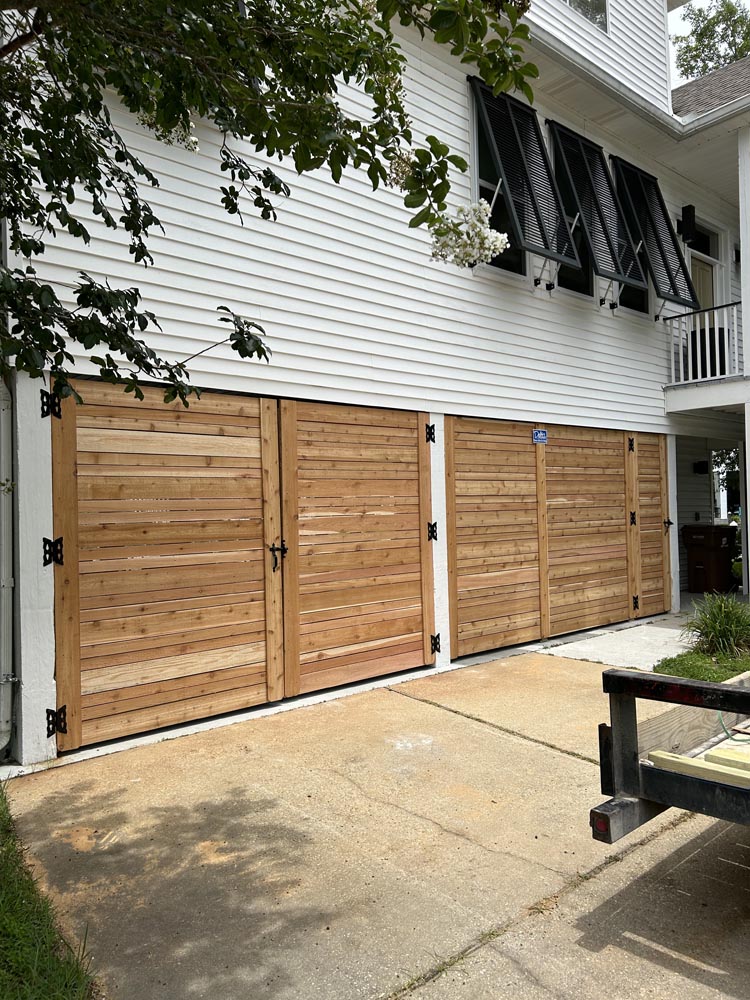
(190, 587)
(550, 537)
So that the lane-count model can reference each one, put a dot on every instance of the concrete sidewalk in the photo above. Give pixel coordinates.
(429, 840)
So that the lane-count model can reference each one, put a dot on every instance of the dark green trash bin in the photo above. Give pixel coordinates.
(710, 550)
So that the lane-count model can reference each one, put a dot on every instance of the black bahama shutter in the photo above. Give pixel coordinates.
(511, 130)
(600, 213)
(649, 219)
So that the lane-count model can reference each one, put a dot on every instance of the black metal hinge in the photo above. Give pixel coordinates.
(52, 551)
(57, 720)
(430, 433)
(432, 531)
(636, 603)
(435, 643)
(633, 517)
(631, 444)
(50, 404)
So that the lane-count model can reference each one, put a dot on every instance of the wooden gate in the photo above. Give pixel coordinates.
(182, 595)
(493, 534)
(164, 611)
(648, 539)
(358, 586)
(549, 538)
(587, 527)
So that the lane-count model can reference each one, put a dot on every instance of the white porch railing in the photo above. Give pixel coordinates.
(705, 345)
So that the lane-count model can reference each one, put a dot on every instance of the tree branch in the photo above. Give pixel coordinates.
(21, 41)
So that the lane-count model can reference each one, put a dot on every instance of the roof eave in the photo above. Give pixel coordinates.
(676, 128)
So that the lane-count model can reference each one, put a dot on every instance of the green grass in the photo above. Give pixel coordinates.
(703, 667)
(36, 963)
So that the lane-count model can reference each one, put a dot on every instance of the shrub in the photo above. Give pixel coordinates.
(720, 625)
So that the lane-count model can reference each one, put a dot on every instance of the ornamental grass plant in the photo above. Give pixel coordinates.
(719, 626)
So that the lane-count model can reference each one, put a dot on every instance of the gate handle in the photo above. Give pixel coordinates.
(274, 550)
(667, 525)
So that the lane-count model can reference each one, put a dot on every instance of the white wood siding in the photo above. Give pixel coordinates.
(355, 309)
(634, 49)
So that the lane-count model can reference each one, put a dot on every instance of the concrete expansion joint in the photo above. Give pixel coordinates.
(500, 729)
(448, 831)
(542, 907)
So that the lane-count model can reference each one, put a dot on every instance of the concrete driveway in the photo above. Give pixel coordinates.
(428, 840)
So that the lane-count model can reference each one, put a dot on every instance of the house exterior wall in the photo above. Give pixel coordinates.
(356, 311)
(633, 50)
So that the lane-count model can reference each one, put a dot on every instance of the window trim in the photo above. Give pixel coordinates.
(589, 20)
(721, 263)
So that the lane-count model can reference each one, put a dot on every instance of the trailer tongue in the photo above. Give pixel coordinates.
(693, 756)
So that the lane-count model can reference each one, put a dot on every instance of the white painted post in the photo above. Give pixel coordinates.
(674, 531)
(744, 493)
(440, 549)
(34, 583)
(743, 144)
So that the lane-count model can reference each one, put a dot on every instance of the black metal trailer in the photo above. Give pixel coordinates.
(703, 715)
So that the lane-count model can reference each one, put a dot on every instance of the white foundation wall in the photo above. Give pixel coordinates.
(356, 311)
(633, 50)
(34, 631)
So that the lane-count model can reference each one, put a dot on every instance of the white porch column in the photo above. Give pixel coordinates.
(440, 547)
(34, 583)
(743, 149)
(674, 531)
(744, 493)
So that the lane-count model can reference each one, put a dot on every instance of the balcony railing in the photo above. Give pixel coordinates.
(705, 345)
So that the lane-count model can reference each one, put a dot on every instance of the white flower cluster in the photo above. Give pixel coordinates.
(179, 136)
(399, 170)
(468, 239)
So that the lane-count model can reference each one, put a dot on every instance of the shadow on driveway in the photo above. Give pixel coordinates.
(688, 915)
(183, 891)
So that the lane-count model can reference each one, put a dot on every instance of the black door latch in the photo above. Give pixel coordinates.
(274, 550)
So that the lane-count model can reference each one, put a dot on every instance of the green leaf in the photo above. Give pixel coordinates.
(415, 199)
(271, 83)
(458, 161)
(420, 218)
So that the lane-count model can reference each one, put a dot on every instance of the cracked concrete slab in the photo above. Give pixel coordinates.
(669, 920)
(328, 853)
(555, 700)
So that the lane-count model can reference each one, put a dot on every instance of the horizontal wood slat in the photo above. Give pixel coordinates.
(356, 495)
(493, 533)
(540, 541)
(588, 552)
(171, 527)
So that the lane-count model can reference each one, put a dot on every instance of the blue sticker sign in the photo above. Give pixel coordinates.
(539, 436)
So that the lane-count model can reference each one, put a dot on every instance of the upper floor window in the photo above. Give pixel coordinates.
(490, 190)
(651, 225)
(594, 10)
(515, 177)
(589, 192)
